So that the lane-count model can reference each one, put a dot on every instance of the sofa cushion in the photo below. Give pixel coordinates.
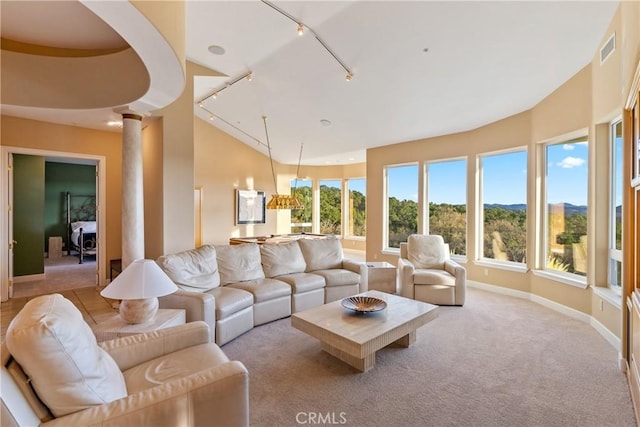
(192, 270)
(282, 258)
(321, 254)
(263, 289)
(303, 282)
(426, 251)
(58, 351)
(237, 263)
(433, 277)
(230, 301)
(338, 277)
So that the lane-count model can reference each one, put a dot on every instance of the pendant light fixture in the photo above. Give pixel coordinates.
(280, 201)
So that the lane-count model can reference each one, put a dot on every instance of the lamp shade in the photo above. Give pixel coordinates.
(143, 278)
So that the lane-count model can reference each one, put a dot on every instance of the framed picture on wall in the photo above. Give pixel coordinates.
(250, 207)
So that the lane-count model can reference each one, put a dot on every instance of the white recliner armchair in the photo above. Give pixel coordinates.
(428, 274)
(54, 373)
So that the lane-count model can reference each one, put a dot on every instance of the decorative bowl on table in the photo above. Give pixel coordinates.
(361, 304)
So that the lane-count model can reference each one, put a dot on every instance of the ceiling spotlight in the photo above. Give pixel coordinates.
(249, 76)
(215, 95)
(211, 117)
(349, 76)
(300, 29)
(325, 122)
(200, 104)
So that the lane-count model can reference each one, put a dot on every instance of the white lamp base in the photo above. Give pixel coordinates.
(138, 310)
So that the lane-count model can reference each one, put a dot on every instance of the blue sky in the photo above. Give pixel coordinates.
(504, 178)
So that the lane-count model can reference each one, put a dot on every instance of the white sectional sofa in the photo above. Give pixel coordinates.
(236, 287)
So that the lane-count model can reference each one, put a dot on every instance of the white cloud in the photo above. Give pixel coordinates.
(568, 147)
(570, 162)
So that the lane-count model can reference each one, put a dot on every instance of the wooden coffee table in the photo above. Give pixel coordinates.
(354, 338)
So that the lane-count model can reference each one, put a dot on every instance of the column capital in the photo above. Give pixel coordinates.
(128, 113)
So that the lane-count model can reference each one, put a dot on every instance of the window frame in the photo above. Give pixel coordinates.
(347, 214)
(340, 181)
(295, 186)
(614, 254)
(385, 202)
(480, 256)
(542, 210)
(426, 207)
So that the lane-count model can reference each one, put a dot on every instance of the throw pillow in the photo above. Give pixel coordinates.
(58, 352)
(192, 270)
(426, 251)
(282, 258)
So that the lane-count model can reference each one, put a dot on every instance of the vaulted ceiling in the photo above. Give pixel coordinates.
(420, 68)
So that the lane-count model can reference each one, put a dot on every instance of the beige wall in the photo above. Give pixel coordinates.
(16, 132)
(222, 165)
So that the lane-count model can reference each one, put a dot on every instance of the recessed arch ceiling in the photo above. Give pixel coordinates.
(78, 62)
(64, 25)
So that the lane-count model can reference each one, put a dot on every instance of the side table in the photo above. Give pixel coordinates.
(116, 327)
(382, 277)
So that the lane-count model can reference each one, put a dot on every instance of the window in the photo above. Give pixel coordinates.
(504, 206)
(447, 196)
(566, 207)
(330, 207)
(356, 212)
(301, 218)
(615, 216)
(401, 203)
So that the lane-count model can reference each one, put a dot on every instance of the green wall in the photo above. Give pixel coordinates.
(61, 178)
(28, 214)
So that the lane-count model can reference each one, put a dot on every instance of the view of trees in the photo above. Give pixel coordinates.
(330, 214)
(302, 217)
(505, 234)
(505, 226)
(403, 220)
(330, 210)
(450, 221)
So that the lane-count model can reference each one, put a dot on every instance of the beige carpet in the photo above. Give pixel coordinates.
(497, 361)
(61, 274)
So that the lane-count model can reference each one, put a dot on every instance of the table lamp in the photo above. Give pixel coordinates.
(139, 286)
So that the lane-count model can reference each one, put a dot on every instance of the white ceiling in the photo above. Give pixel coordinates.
(484, 61)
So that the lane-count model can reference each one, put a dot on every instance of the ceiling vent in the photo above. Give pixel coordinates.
(608, 48)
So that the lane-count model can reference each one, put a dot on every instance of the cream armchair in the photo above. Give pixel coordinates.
(55, 374)
(428, 274)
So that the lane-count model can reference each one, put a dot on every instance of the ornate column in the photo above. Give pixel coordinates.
(132, 189)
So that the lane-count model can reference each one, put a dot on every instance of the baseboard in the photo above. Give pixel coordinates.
(28, 278)
(592, 321)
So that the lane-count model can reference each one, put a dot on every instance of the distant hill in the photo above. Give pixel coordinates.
(515, 207)
(569, 209)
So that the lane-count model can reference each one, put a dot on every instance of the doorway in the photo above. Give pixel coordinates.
(61, 266)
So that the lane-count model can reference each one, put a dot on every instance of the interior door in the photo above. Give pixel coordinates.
(12, 242)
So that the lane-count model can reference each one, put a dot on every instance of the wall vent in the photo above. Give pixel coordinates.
(608, 48)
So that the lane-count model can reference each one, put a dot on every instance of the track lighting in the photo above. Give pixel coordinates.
(248, 75)
(301, 26)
